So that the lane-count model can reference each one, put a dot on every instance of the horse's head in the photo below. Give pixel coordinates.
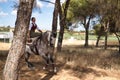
(48, 38)
(51, 37)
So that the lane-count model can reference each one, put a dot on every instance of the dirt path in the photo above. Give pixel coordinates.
(94, 74)
(83, 73)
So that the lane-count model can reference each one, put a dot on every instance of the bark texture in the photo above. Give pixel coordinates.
(17, 49)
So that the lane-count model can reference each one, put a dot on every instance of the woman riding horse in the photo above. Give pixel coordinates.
(32, 27)
(43, 45)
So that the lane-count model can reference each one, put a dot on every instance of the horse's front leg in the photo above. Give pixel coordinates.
(29, 64)
(50, 61)
(46, 61)
(53, 63)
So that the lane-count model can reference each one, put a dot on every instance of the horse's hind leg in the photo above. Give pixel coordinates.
(46, 61)
(49, 59)
(30, 65)
(53, 64)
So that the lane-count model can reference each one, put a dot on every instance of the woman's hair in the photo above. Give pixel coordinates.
(32, 18)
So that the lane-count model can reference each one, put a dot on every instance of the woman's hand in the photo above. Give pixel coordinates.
(40, 31)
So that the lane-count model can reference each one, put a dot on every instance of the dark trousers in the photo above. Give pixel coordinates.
(34, 34)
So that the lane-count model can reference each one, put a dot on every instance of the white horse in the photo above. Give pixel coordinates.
(43, 45)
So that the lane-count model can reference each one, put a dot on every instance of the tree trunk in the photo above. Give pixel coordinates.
(54, 22)
(106, 36)
(18, 45)
(86, 25)
(60, 37)
(118, 40)
(86, 37)
(55, 17)
(62, 17)
(102, 30)
(98, 38)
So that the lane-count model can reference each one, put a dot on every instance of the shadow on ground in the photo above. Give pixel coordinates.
(77, 59)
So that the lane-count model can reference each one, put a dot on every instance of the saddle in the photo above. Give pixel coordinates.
(29, 41)
(32, 44)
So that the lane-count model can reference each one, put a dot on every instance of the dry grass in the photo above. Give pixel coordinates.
(91, 57)
(91, 62)
(74, 63)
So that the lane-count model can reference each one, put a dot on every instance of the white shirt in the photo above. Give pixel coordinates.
(30, 26)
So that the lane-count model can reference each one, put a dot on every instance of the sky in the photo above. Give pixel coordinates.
(43, 16)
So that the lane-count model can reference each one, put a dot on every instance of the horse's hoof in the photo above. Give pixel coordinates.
(55, 70)
(45, 67)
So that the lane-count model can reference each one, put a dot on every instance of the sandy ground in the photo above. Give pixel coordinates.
(77, 42)
(6, 46)
(82, 73)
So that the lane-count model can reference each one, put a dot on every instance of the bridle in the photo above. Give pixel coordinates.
(52, 35)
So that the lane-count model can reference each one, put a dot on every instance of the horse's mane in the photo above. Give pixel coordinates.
(42, 37)
(36, 40)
